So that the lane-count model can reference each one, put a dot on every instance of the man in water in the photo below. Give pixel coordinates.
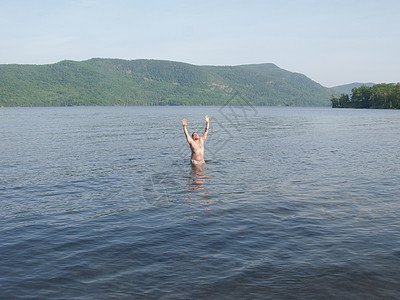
(196, 143)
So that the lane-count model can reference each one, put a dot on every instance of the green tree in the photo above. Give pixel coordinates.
(334, 101)
(360, 97)
(344, 100)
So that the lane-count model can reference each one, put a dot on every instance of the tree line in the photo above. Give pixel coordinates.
(385, 95)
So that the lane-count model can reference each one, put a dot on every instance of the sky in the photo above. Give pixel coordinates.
(332, 42)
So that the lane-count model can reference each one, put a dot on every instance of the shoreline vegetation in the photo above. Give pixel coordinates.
(117, 82)
(378, 96)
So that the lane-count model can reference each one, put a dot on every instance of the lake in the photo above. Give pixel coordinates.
(102, 203)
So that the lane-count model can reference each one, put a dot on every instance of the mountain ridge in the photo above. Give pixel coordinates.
(346, 88)
(111, 81)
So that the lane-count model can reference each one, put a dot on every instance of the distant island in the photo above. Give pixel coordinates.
(385, 96)
(104, 82)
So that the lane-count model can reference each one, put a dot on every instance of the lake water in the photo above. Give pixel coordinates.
(102, 203)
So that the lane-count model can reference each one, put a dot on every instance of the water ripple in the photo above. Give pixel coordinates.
(301, 203)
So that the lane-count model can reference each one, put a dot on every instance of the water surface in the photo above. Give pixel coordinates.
(102, 203)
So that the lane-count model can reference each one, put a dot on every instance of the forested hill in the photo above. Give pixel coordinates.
(153, 82)
(346, 88)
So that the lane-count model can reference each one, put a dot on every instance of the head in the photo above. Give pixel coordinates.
(195, 136)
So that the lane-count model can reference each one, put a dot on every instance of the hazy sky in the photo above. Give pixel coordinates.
(332, 42)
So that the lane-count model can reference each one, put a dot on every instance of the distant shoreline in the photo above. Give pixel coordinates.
(379, 96)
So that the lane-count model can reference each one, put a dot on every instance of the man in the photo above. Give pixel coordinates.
(196, 143)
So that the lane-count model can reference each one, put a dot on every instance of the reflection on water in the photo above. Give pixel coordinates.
(196, 186)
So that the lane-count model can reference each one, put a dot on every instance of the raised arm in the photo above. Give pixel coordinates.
(188, 137)
(206, 130)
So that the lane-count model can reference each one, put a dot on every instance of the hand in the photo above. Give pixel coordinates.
(207, 119)
(184, 122)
